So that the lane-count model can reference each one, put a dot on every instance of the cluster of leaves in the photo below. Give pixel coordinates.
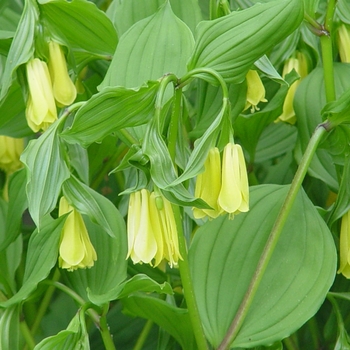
(139, 64)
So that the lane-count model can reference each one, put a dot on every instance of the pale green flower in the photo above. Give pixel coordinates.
(344, 246)
(64, 90)
(152, 233)
(41, 109)
(344, 43)
(234, 193)
(75, 249)
(208, 185)
(10, 151)
(255, 91)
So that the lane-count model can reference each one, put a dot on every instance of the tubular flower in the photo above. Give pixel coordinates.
(152, 233)
(255, 91)
(10, 151)
(63, 88)
(229, 183)
(344, 243)
(299, 64)
(208, 185)
(76, 250)
(344, 43)
(41, 109)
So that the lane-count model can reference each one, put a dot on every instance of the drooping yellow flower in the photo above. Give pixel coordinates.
(344, 267)
(344, 43)
(208, 185)
(64, 90)
(152, 233)
(255, 91)
(10, 151)
(224, 187)
(75, 250)
(41, 109)
(234, 193)
(299, 64)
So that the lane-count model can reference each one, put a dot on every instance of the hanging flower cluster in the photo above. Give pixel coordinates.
(255, 91)
(48, 83)
(299, 64)
(10, 151)
(75, 248)
(223, 186)
(152, 233)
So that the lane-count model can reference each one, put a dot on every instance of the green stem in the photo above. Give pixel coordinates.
(143, 336)
(27, 335)
(274, 236)
(45, 303)
(289, 344)
(327, 53)
(104, 329)
(174, 124)
(187, 284)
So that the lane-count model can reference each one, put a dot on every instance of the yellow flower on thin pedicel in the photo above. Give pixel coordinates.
(208, 185)
(41, 109)
(63, 88)
(344, 243)
(344, 43)
(75, 249)
(255, 91)
(152, 233)
(234, 193)
(299, 64)
(10, 151)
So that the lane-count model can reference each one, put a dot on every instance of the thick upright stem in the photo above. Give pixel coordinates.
(273, 238)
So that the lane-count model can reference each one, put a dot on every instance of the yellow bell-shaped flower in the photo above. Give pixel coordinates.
(64, 90)
(299, 64)
(41, 109)
(255, 91)
(75, 249)
(234, 194)
(344, 246)
(10, 152)
(152, 233)
(208, 185)
(344, 43)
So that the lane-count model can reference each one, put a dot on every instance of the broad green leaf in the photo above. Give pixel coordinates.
(46, 171)
(138, 283)
(265, 66)
(17, 205)
(174, 320)
(343, 11)
(231, 44)
(110, 110)
(224, 256)
(78, 157)
(109, 271)
(12, 114)
(126, 13)
(308, 103)
(93, 31)
(9, 328)
(41, 257)
(99, 209)
(152, 47)
(22, 47)
(5, 41)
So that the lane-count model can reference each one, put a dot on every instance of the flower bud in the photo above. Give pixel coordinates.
(344, 245)
(255, 91)
(344, 43)
(10, 151)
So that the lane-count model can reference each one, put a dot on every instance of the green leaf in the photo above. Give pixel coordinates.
(151, 48)
(109, 271)
(231, 44)
(46, 171)
(22, 47)
(174, 320)
(308, 103)
(110, 110)
(41, 257)
(17, 205)
(9, 328)
(98, 208)
(343, 11)
(93, 31)
(224, 256)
